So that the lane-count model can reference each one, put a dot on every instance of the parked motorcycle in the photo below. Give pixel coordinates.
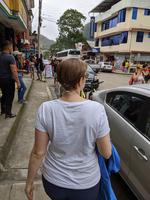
(91, 88)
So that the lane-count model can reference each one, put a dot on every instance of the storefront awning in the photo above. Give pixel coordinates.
(11, 21)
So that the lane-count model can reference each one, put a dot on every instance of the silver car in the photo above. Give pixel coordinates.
(128, 110)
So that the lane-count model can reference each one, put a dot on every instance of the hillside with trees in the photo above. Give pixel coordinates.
(45, 42)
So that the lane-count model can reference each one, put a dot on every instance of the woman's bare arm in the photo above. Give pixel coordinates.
(37, 155)
(104, 146)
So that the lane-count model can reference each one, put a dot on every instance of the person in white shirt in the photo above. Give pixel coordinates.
(66, 133)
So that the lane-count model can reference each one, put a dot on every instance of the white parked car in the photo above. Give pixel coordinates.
(106, 66)
(93, 65)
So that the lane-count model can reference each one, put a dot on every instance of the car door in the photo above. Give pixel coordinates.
(116, 106)
(140, 153)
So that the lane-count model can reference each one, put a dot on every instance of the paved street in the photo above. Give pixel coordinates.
(112, 80)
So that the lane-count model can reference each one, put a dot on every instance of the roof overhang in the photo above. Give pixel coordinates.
(104, 6)
(12, 21)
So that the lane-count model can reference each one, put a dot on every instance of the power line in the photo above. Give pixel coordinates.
(50, 20)
(47, 15)
(39, 26)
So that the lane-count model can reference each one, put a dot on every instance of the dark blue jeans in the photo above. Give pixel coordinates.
(21, 90)
(59, 193)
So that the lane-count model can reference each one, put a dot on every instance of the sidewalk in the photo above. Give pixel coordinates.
(12, 180)
(52, 88)
(15, 191)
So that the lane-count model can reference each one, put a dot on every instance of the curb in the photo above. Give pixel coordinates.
(124, 74)
(4, 151)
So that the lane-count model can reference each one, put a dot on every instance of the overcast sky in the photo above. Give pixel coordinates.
(53, 9)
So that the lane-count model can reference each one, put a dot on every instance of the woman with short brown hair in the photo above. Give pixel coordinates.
(72, 126)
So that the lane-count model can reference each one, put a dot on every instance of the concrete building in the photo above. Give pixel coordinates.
(123, 29)
(15, 21)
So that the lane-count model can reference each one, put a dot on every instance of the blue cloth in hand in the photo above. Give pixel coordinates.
(113, 166)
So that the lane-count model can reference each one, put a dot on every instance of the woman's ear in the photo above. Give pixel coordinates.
(82, 83)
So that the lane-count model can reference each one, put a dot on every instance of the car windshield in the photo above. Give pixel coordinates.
(74, 52)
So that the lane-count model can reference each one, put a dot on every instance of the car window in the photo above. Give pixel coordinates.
(148, 127)
(132, 107)
(143, 123)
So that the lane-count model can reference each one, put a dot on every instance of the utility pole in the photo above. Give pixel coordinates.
(39, 26)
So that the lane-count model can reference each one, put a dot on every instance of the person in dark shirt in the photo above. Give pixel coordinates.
(38, 68)
(146, 72)
(8, 77)
(55, 64)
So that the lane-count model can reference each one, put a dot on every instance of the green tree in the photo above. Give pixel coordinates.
(46, 54)
(57, 46)
(70, 27)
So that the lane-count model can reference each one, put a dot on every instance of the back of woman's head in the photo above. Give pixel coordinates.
(70, 71)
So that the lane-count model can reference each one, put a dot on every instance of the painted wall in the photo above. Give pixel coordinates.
(9, 3)
(124, 26)
(121, 5)
(131, 46)
(23, 12)
(142, 23)
(140, 46)
(12, 4)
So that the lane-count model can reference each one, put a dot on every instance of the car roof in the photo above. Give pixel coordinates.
(143, 86)
(142, 89)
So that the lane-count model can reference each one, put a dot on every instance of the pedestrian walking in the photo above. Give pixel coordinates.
(39, 67)
(137, 77)
(27, 65)
(8, 76)
(67, 131)
(146, 72)
(127, 66)
(55, 64)
(123, 66)
(48, 70)
(32, 66)
(22, 89)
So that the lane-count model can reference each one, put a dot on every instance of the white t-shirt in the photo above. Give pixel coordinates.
(73, 127)
(140, 80)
